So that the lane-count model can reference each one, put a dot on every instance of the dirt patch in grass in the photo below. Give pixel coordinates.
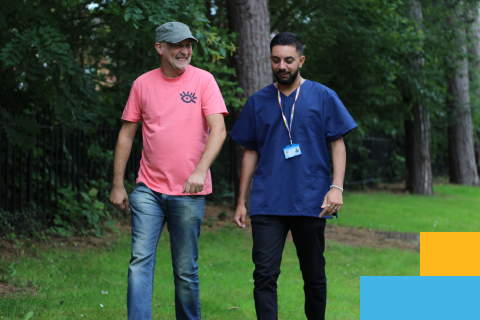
(391, 188)
(12, 250)
(7, 289)
(217, 216)
(360, 237)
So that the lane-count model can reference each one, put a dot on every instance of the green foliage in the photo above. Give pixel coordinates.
(21, 224)
(224, 75)
(78, 59)
(362, 50)
(23, 127)
(73, 212)
(7, 271)
(378, 59)
(84, 216)
(358, 48)
(101, 161)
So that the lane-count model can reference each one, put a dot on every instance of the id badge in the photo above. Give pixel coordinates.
(291, 151)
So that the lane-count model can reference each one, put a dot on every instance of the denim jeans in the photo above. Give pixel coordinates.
(150, 211)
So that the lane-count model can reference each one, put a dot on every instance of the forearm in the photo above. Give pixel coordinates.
(339, 159)
(249, 164)
(214, 144)
(122, 152)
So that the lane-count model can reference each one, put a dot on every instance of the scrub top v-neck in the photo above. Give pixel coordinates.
(295, 186)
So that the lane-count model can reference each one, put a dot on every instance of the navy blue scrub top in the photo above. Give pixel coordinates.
(295, 186)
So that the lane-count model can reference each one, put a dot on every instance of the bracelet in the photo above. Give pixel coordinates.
(336, 187)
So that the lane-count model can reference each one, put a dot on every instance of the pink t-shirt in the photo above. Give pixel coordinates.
(174, 128)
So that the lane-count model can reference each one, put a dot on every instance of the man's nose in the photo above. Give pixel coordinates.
(184, 50)
(282, 66)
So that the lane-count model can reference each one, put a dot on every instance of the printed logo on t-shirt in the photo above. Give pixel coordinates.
(188, 97)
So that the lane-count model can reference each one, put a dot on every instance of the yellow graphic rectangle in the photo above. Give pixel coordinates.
(449, 253)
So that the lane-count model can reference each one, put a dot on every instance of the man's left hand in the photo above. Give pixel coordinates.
(195, 182)
(332, 202)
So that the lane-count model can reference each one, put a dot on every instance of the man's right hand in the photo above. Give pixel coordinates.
(119, 198)
(240, 216)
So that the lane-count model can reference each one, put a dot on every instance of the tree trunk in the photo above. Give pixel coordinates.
(417, 133)
(250, 19)
(463, 169)
(477, 150)
(473, 44)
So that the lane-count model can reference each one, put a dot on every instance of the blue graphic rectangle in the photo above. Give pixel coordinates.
(413, 298)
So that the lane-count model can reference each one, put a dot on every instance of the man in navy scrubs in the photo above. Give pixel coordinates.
(286, 128)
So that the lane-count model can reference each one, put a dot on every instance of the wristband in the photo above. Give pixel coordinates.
(334, 186)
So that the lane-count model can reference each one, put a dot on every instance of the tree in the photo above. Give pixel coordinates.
(419, 178)
(473, 34)
(462, 164)
(251, 20)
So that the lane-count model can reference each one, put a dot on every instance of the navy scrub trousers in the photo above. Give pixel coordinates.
(269, 235)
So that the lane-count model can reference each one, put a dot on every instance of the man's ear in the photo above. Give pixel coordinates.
(159, 48)
(302, 60)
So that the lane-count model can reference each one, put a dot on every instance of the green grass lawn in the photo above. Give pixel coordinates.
(70, 282)
(452, 208)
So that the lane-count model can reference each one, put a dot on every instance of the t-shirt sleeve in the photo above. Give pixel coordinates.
(244, 132)
(212, 100)
(338, 122)
(133, 108)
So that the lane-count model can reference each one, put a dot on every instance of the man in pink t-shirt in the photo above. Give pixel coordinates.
(182, 111)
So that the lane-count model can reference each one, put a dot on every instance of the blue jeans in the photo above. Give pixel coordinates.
(150, 211)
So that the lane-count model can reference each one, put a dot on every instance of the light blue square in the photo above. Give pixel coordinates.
(419, 298)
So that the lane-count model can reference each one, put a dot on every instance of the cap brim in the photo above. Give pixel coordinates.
(179, 39)
(184, 38)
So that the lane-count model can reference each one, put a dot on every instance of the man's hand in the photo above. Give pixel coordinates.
(332, 202)
(119, 198)
(195, 182)
(239, 217)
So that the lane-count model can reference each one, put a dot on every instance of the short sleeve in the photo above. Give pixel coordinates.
(338, 122)
(212, 100)
(244, 132)
(133, 108)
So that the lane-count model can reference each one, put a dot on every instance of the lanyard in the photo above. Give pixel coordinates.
(289, 129)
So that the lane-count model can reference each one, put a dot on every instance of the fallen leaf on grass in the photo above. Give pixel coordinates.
(233, 308)
(28, 315)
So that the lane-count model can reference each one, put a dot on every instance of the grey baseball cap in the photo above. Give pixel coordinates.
(173, 32)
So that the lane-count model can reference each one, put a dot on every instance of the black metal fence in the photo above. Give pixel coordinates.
(61, 158)
(79, 159)
(374, 159)
(76, 159)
